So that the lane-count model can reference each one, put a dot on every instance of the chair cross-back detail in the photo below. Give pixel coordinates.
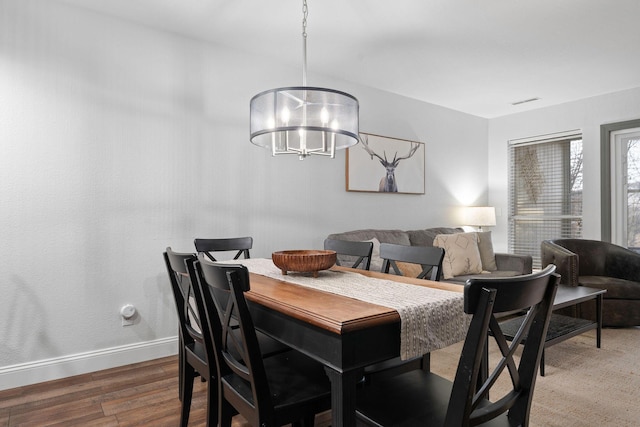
(361, 251)
(424, 398)
(430, 258)
(285, 388)
(195, 353)
(240, 244)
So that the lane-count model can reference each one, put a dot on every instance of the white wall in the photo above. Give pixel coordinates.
(587, 115)
(117, 141)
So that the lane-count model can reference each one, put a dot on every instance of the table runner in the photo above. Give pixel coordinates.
(430, 318)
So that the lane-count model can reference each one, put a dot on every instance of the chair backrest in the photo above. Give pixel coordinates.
(361, 251)
(484, 298)
(239, 244)
(430, 258)
(222, 287)
(183, 293)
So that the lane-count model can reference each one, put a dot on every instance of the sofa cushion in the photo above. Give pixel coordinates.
(376, 261)
(409, 269)
(397, 237)
(425, 237)
(461, 254)
(485, 246)
(376, 236)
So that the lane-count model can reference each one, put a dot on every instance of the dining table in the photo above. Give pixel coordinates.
(344, 328)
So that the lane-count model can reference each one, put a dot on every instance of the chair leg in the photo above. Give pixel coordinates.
(426, 362)
(308, 421)
(212, 403)
(187, 390)
(180, 374)
(226, 414)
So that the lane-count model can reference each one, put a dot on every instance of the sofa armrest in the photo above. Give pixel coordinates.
(566, 262)
(512, 262)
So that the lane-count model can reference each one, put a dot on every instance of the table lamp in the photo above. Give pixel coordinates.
(479, 216)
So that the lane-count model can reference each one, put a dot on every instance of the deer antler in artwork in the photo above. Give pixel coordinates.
(388, 182)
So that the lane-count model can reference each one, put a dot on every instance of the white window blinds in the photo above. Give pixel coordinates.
(545, 191)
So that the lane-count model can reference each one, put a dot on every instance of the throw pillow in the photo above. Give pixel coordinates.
(376, 261)
(461, 254)
(485, 246)
(409, 269)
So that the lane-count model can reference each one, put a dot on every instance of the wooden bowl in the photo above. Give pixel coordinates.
(304, 261)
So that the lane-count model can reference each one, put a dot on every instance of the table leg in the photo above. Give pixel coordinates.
(343, 397)
(599, 319)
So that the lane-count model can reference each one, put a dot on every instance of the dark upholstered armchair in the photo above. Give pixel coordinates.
(600, 265)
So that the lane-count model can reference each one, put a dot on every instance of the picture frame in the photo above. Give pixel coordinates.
(381, 164)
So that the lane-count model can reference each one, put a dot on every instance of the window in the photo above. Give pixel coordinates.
(625, 191)
(545, 191)
(619, 215)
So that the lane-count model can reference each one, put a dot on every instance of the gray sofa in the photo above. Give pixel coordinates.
(507, 265)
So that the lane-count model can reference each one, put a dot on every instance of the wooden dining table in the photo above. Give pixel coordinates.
(342, 333)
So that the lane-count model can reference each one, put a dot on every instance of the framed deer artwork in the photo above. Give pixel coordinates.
(379, 164)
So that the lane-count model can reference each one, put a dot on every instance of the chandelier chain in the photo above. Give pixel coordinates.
(305, 14)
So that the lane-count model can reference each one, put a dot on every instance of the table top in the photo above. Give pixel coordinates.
(570, 295)
(335, 313)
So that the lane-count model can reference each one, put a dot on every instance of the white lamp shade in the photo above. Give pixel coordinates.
(479, 216)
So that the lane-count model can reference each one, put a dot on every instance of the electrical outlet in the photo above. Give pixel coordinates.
(128, 313)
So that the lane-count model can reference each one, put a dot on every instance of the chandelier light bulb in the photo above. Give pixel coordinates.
(285, 115)
(324, 116)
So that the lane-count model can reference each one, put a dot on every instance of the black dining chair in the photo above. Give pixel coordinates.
(239, 245)
(274, 391)
(196, 356)
(425, 398)
(358, 252)
(429, 258)
(195, 352)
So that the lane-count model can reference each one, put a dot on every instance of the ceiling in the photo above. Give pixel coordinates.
(474, 56)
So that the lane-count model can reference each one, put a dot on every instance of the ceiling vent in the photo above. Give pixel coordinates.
(524, 101)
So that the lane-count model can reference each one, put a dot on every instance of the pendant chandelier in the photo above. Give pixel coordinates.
(304, 120)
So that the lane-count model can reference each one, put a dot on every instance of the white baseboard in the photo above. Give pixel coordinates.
(82, 363)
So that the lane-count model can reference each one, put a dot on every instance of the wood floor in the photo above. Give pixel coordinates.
(143, 394)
